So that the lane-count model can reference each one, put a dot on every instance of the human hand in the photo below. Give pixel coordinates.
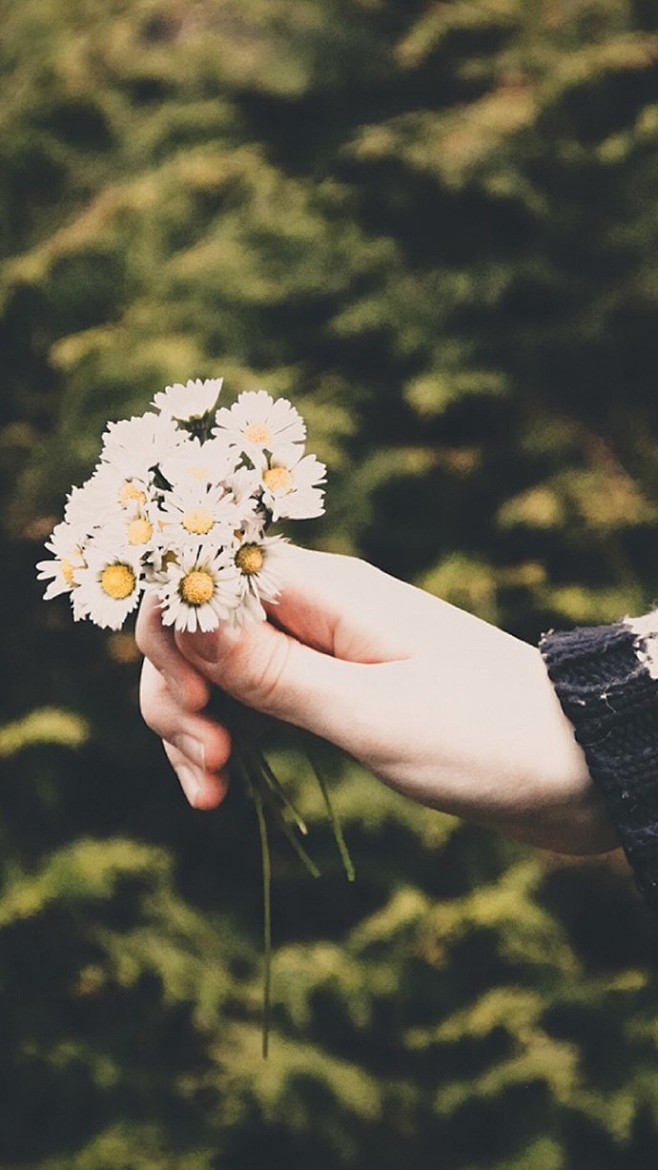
(440, 705)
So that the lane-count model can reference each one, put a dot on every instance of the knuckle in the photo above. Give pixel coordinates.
(266, 684)
(150, 696)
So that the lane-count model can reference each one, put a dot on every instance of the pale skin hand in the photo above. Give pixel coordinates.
(438, 704)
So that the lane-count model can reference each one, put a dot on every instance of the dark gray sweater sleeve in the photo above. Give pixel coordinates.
(606, 679)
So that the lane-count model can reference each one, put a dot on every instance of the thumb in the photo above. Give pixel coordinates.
(272, 672)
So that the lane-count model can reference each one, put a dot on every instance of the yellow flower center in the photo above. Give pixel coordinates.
(198, 521)
(257, 433)
(278, 479)
(118, 581)
(131, 494)
(67, 572)
(140, 531)
(197, 587)
(249, 559)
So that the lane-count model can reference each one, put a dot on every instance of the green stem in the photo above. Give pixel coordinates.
(267, 917)
(267, 792)
(251, 765)
(260, 766)
(348, 864)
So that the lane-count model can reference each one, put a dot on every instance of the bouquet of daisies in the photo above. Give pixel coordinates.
(181, 503)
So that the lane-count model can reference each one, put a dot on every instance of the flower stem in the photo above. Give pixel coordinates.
(267, 921)
(270, 798)
(266, 870)
(348, 864)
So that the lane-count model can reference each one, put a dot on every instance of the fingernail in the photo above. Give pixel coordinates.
(212, 648)
(192, 748)
(191, 783)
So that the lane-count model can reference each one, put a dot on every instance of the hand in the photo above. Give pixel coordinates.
(440, 705)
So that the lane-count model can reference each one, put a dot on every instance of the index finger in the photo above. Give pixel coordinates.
(157, 643)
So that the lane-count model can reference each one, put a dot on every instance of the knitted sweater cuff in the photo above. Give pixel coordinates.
(606, 679)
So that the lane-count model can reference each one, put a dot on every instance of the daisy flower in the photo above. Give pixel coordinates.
(257, 423)
(290, 483)
(86, 505)
(245, 487)
(201, 590)
(135, 445)
(134, 529)
(111, 495)
(109, 586)
(193, 514)
(66, 545)
(256, 558)
(193, 460)
(189, 402)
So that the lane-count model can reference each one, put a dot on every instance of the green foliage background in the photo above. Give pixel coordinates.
(435, 227)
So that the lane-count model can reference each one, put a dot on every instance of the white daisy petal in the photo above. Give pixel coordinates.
(194, 514)
(190, 401)
(200, 591)
(109, 495)
(66, 545)
(135, 445)
(109, 586)
(257, 423)
(204, 463)
(138, 529)
(290, 484)
(86, 505)
(256, 558)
